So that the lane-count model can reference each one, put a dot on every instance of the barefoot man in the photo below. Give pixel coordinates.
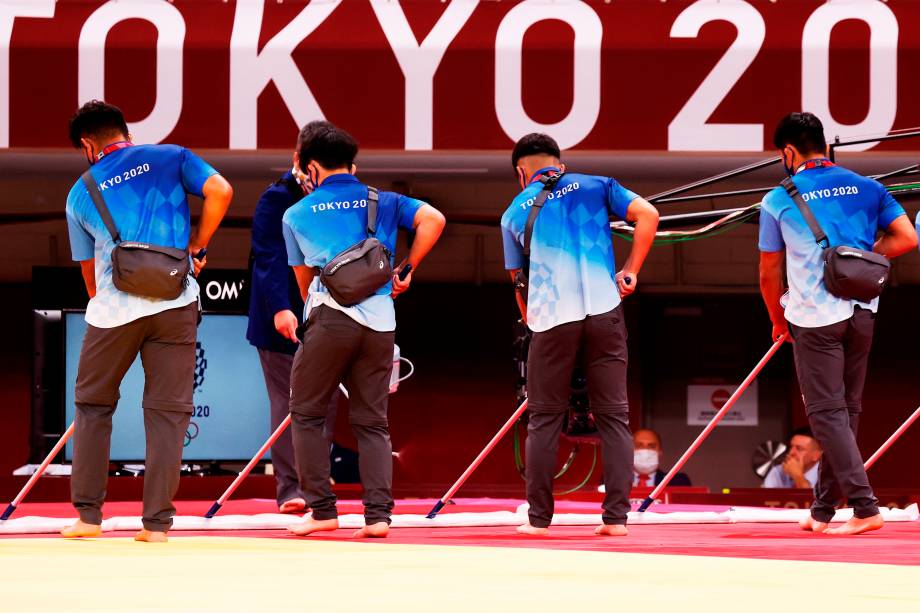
(351, 344)
(144, 190)
(832, 335)
(572, 295)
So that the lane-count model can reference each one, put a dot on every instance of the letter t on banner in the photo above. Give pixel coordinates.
(419, 62)
(251, 70)
(9, 11)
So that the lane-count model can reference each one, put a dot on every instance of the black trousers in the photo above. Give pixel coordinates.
(166, 342)
(600, 342)
(276, 368)
(336, 349)
(831, 364)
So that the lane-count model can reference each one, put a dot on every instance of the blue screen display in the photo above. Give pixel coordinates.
(231, 417)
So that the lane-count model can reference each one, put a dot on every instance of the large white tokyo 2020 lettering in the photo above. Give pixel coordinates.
(170, 27)
(883, 67)
(689, 130)
(586, 88)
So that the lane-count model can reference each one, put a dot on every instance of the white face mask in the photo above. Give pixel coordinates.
(645, 461)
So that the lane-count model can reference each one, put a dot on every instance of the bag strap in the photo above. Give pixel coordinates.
(548, 184)
(99, 201)
(809, 216)
(372, 198)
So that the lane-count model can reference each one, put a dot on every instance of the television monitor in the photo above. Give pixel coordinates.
(231, 414)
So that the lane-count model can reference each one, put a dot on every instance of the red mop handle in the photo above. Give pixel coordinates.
(482, 456)
(712, 424)
(897, 434)
(255, 460)
(39, 472)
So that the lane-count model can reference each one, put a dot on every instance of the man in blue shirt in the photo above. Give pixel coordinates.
(353, 343)
(273, 307)
(144, 188)
(801, 465)
(832, 335)
(573, 308)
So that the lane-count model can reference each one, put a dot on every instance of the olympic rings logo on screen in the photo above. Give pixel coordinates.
(191, 433)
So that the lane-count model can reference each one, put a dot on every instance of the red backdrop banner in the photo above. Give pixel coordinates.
(421, 75)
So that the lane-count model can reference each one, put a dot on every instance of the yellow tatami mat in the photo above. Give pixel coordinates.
(260, 574)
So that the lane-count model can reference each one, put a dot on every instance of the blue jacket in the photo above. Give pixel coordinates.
(274, 287)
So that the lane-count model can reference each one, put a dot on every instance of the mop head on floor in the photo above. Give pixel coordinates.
(276, 521)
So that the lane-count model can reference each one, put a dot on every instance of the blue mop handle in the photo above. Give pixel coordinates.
(10, 509)
(213, 510)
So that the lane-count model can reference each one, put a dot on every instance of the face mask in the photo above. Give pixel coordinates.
(790, 171)
(645, 461)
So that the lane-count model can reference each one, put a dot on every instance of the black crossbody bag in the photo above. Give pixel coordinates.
(358, 272)
(522, 278)
(142, 269)
(849, 272)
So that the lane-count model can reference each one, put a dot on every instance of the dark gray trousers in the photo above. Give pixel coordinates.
(166, 342)
(276, 368)
(831, 363)
(600, 342)
(336, 348)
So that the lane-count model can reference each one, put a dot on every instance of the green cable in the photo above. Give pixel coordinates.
(519, 462)
(585, 480)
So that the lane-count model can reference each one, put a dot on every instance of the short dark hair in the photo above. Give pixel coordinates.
(534, 144)
(97, 119)
(801, 130)
(803, 431)
(326, 144)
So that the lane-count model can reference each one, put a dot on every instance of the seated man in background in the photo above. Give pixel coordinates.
(647, 452)
(800, 467)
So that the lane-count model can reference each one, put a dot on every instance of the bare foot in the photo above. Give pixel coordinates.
(310, 525)
(532, 531)
(294, 505)
(377, 531)
(150, 536)
(812, 524)
(858, 526)
(611, 530)
(81, 529)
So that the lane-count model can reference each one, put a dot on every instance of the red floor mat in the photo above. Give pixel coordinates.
(895, 544)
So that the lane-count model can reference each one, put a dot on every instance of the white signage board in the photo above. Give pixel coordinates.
(704, 401)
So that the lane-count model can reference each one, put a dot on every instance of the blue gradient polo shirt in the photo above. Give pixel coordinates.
(332, 219)
(144, 188)
(850, 208)
(572, 268)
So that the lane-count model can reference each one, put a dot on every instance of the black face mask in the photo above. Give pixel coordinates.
(790, 170)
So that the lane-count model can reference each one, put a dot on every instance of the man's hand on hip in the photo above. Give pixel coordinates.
(286, 324)
(626, 282)
(400, 285)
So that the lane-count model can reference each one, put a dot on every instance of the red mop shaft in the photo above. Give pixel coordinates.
(482, 456)
(38, 473)
(712, 424)
(245, 472)
(255, 460)
(897, 434)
